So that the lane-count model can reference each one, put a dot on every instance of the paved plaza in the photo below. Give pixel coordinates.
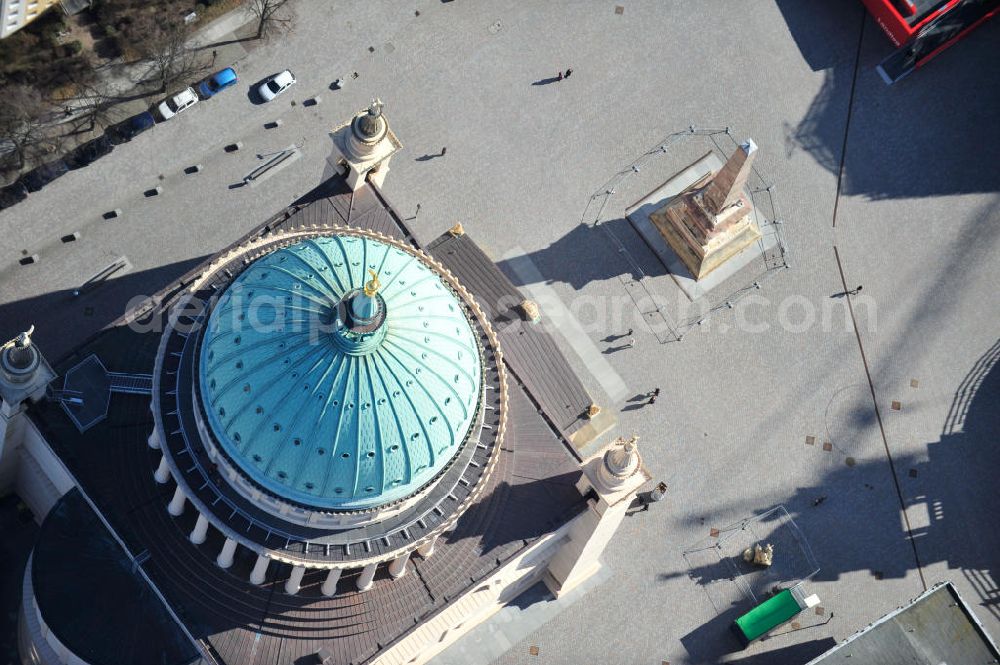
(872, 419)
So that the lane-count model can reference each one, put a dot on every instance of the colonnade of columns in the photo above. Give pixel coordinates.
(199, 534)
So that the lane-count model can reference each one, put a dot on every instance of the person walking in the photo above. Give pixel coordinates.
(652, 399)
(444, 150)
(855, 291)
(631, 342)
(647, 498)
(568, 72)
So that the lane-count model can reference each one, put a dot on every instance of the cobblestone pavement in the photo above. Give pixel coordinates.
(891, 188)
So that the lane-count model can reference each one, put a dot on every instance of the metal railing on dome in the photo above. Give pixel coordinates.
(205, 478)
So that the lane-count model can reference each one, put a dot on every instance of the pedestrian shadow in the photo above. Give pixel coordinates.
(426, 158)
(614, 349)
(633, 407)
(551, 79)
(639, 398)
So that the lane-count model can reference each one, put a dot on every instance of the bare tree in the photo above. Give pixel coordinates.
(22, 124)
(164, 45)
(270, 16)
(98, 104)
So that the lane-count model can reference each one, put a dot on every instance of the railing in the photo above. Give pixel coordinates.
(131, 384)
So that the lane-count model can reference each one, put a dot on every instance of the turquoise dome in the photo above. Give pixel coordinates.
(327, 409)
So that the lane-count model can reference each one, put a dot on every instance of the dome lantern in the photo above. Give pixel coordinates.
(364, 145)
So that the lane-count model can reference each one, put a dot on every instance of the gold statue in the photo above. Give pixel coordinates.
(373, 285)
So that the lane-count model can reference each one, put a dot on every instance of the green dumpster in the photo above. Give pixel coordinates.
(771, 613)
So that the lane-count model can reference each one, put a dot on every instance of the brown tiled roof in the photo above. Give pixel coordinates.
(530, 351)
(530, 493)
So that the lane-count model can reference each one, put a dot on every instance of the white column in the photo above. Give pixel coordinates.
(367, 577)
(225, 558)
(259, 570)
(427, 548)
(378, 175)
(200, 531)
(176, 506)
(330, 583)
(294, 583)
(162, 474)
(615, 478)
(397, 567)
(153, 440)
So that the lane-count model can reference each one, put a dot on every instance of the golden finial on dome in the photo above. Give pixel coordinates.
(373, 285)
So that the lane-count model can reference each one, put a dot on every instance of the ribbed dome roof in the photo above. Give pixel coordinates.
(333, 416)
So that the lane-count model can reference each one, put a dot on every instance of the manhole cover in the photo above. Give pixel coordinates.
(495, 27)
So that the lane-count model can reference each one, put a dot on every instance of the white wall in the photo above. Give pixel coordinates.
(40, 478)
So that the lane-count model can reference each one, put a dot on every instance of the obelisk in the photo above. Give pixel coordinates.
(711, 221)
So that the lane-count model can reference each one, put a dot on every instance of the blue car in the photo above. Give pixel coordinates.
(218, 81)
(128, 129)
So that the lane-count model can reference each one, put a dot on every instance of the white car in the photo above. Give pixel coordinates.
(276, 85)
(183, 100)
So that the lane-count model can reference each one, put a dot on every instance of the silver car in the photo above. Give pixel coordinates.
(183, 100)
(276, 85)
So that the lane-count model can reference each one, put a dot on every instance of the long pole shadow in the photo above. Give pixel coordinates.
(226, 42)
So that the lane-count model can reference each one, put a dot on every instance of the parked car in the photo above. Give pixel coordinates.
(12, 194)
(218, 81)
(275, 85)
(89, 152)
(42, 175)
(182, 101)
(127, 130)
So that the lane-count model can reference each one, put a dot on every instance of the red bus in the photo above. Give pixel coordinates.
(923, 28)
